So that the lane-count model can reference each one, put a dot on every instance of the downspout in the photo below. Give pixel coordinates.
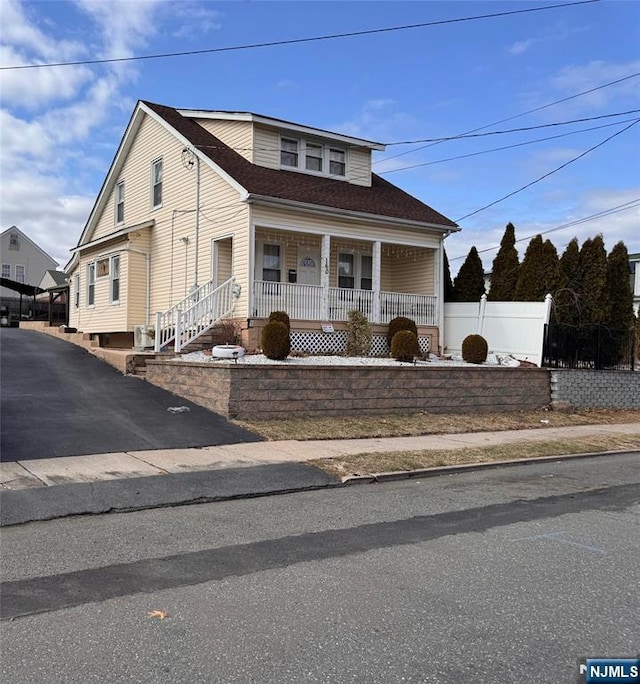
(197, 255)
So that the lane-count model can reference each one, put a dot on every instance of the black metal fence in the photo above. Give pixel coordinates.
(33, 310)
(593, 347)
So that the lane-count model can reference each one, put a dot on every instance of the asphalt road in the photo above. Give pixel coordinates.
(58, 400)
(497, 577)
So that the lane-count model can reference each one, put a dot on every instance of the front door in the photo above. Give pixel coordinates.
(308, 266)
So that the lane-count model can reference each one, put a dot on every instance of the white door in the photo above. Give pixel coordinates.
(308, 266)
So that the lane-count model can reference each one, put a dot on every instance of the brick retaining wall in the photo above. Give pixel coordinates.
(596, 389)
(271, 391)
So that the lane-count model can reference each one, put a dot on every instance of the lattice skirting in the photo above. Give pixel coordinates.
(336, 343)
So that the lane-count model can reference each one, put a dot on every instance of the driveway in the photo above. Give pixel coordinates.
(58, 400)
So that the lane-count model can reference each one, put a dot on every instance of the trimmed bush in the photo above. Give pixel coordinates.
(282, 317)
(404, 346)
(358, 334)
(400, 323)
(275, 341)
(474, 349)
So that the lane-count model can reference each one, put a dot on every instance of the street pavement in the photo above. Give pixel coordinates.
(56, 400)
(497, 576)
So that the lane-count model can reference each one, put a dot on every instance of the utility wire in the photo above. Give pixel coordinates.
(546, 175)
(504, 147)
(626, 206)
(295, 41)
(516, 116)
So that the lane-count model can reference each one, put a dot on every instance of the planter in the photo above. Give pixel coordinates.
(227, 351)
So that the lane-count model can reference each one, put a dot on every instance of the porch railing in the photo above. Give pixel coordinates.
(307, 303)
(195, 314)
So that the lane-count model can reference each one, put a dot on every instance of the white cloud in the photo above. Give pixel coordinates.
(194, 20)
(378, 120)
(520, 46)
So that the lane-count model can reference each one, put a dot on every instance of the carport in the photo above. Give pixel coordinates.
(24, 290)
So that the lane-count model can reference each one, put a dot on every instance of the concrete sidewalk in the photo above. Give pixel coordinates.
(37, 473)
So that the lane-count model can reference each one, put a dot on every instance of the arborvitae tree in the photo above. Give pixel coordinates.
(468, 285)
(567, 296)
(448, 283)
(506, 266)
(593, 282)
(527, 287)
(550, 275)
(619, 289)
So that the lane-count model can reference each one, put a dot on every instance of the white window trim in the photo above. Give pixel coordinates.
(91, 305)
(111, 279)
(117, 202)
(24, 273)
(3, 267)
(357, 268)
(259, 269)
(153, 184)
(76, 300)
(326, 149)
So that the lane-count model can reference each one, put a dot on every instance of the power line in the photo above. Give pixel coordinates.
(295, 41)
(465, 136)
(516, 116)
(625, 206)
(504, 147)
(546, 175)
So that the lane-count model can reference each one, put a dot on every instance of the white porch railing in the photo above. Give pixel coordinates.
(195, 314)
(306, 303)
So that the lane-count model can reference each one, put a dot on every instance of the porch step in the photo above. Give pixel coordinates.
(207, 340)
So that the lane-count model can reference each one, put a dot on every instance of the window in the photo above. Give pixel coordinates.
(14, 241)
(120, 202)
(289, 153)
(355, 272)
(91, 284)
(314, 157)
(77, 291)
(271, 263)
(337, 162)
(346, 271)
(6, 271)
(115, 278)
(20, 274)
(156, 182)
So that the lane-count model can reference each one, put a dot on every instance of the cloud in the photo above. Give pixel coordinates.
(378, 120)
(194, 20)
(521, 46)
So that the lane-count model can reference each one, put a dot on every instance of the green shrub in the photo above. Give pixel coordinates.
(474, 349)
(275, 341)
(404, 346)
(282, 317)
(400, 323)
(358, 334)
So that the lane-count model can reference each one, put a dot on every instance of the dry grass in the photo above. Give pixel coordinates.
(345, 427)
(369, 464)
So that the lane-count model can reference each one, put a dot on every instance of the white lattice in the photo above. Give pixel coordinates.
(336, 342)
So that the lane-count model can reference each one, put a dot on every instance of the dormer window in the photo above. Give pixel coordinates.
(313, 157)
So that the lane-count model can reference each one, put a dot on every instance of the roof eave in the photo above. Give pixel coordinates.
(349, 213)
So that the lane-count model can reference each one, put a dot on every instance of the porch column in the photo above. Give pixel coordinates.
(438, 273)
(377, 258)
(324, 276)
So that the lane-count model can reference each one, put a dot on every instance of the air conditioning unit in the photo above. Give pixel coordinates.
(143, 337)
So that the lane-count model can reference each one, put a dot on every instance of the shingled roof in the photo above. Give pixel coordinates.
(381, 198)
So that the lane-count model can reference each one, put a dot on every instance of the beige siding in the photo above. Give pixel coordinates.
(360, 166)
(172, 260)
(410, 271)
(236, 134)
(225, 260)
(266, 151)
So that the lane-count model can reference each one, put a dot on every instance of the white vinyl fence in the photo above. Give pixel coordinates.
(515, 328)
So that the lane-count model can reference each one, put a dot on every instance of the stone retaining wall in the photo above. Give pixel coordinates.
(274, 391)
(596, 389)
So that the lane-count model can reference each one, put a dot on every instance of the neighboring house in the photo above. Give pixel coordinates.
(22, 260)
(208, 214)
(634, 263)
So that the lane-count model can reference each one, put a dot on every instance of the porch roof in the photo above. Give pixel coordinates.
(381, 198)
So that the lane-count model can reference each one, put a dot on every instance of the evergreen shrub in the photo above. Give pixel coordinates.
(358, 334)
(400, 323)
(474, 349)
(282, 317)
(275, 341)
(404, 346)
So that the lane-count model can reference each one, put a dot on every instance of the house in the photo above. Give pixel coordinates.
(206, 215)
(634, 263)
(22, 261)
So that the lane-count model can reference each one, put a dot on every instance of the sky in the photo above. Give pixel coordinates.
(60, 126)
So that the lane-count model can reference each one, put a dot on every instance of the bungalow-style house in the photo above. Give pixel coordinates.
(206, 215)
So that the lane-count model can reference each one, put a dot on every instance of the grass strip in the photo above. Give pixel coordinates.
(372, 463)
